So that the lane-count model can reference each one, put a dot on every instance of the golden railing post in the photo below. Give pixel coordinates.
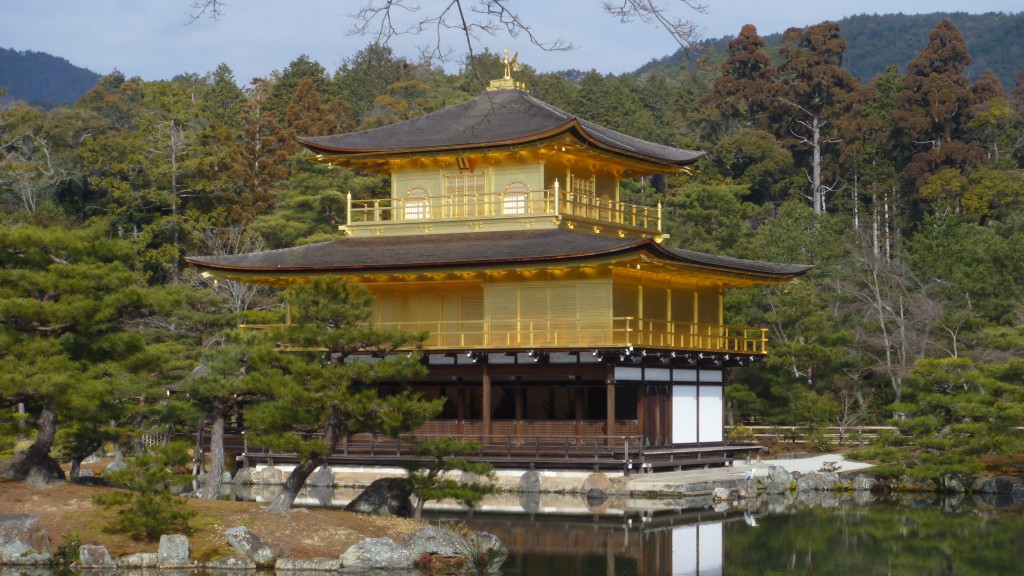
(659, 217)
(348, 208)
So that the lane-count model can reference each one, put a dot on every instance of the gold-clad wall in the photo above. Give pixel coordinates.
(563, 309)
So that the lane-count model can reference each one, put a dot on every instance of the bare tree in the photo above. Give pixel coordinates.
(233, 240)
(384, 20)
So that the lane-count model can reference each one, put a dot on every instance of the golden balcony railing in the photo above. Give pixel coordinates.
(481, 205)
(568, 333)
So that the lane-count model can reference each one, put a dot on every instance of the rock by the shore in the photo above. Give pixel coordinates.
(433, 540)
(488, 546)
(23, 540)
(312, 565)
(250, 546)
(268, 475)
(377, 553)
(230, 563)
(384, 497)
(94, 556)
(322, 478)
(140, 560)
(529, 482)
(173, 551)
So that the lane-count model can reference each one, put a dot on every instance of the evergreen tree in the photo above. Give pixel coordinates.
(67, 298)
(815, 92)
(218, 388)
(403, 101)
(259, 158)
(745, 87)
(991, 118)
(932, 106)
(306, 115)
(289, 81)
(324, 388)
(365, 76)
(223, 99)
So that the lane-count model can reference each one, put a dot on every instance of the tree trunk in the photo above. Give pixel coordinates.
(296, 480)
(417, 513)
(37, 457)
(76, 466)
(215, 474)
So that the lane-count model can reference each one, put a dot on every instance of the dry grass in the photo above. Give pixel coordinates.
(67, 509)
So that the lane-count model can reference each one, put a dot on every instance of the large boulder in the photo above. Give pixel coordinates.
(529, 482)
(384, 497)
(268, 475)
(863, 483)
(1004, 484)
(173, 551)
(140, 560)
(243, 476)
(487, 548)
(322, 478)
(434, 540)
(94, 556)
(780, 474)
(377, 553)
(23, 540)
(251, 546)
(597, 484)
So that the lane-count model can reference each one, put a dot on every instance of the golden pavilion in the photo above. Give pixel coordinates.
(562, 331)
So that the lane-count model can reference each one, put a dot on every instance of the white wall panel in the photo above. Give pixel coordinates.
(684, 414)
(710, 405)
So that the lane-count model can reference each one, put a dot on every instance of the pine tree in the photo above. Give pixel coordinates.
(323, 390)
(66, 300)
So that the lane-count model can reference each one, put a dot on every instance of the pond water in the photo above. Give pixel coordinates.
(779, 536)
(813, 533)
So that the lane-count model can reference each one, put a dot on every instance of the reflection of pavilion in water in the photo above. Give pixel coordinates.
(564, 534)
(686, 544)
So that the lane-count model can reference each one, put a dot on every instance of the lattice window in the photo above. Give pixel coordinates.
(417, 204)
(514, 198)
(465, 184)
(473, 307)
(582, 185)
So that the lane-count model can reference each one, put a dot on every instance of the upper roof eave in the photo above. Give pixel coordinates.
(499, 118)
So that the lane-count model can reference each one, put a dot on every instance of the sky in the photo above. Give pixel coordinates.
(152, 38)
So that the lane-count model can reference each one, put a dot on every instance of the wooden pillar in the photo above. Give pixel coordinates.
(460, 409)
(578, 392)
(520, 392)
(610, 413)
(486, 404)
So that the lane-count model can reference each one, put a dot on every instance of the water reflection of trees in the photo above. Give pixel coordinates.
(913, 536)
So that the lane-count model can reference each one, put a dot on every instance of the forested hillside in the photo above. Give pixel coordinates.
(995, 42)
(43, 80)
(906, 193)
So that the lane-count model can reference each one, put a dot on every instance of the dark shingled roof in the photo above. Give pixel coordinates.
(367, 254)
(501, 117)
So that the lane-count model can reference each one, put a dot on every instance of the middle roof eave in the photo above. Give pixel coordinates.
(447, 251)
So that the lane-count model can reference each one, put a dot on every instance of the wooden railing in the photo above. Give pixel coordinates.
(579, 333)
(481, 205)
(626, 452)
(798, 434)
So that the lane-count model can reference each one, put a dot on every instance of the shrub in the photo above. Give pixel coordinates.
(740, 434)
(148, 510)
